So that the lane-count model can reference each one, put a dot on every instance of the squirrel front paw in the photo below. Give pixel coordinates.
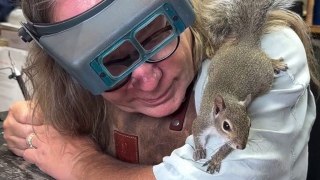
(213, 165)
(279, 65)
(199, 154)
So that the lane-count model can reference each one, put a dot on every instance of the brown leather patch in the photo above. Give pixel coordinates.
(126, 147)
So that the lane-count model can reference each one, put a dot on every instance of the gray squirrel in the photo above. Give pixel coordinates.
(239, 72)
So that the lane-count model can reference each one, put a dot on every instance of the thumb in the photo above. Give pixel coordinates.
(23, 112)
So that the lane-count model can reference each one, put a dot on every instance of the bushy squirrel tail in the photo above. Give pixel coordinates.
(237, 18)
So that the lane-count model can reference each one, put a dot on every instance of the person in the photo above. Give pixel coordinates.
(135, 131)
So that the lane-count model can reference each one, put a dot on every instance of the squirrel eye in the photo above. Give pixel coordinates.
(226, 126)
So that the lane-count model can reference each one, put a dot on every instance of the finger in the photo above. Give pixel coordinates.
(20, 111)
(14, 142)
(23, 112)
(36, 142)
(13, 128)
(17, 152)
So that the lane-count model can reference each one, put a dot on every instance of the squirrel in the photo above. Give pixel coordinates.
(238, 72)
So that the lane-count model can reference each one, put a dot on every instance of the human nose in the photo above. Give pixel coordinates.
(146, 77)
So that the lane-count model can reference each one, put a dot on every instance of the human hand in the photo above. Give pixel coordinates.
(18, 124)
(62, 156)
(58, 155)
(52, 152)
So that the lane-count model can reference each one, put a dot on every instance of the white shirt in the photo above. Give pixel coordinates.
(281, 123)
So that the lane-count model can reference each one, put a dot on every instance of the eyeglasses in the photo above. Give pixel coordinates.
(118, 66)
(83, 54)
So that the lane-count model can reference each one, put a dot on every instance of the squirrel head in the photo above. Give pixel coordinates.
(231, 120)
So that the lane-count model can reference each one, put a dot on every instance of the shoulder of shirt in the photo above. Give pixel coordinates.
(281, 42)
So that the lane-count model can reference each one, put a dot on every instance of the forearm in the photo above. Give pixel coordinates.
(95, 165)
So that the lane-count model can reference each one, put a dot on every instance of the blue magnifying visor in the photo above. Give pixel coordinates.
(101, 47)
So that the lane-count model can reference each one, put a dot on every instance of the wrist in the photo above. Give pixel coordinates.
(96, 165)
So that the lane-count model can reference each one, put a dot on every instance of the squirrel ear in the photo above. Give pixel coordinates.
(219, 104)
(247, 101)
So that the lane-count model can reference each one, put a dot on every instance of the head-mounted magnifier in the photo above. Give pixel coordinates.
(101, 47)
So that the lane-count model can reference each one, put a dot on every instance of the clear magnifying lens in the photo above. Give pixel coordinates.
(156, 35)
(121, 58)
(158, 38)
(155, 41)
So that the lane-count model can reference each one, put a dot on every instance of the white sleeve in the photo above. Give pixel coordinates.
(281, 123)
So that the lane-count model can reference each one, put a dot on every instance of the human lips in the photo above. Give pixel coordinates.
(163, 97)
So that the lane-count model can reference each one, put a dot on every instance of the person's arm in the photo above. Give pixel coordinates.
(65, 157)
(280, 127)
(100, 166)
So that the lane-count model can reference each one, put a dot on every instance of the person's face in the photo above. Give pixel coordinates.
(154, 89)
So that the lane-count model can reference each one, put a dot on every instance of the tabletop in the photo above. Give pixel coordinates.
(13, 167)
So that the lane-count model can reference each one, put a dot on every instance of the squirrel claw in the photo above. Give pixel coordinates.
(199, 154)
(213, 166)
(279, 65)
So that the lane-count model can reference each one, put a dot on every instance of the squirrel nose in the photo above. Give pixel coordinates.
(241, 146)
(146, 77)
